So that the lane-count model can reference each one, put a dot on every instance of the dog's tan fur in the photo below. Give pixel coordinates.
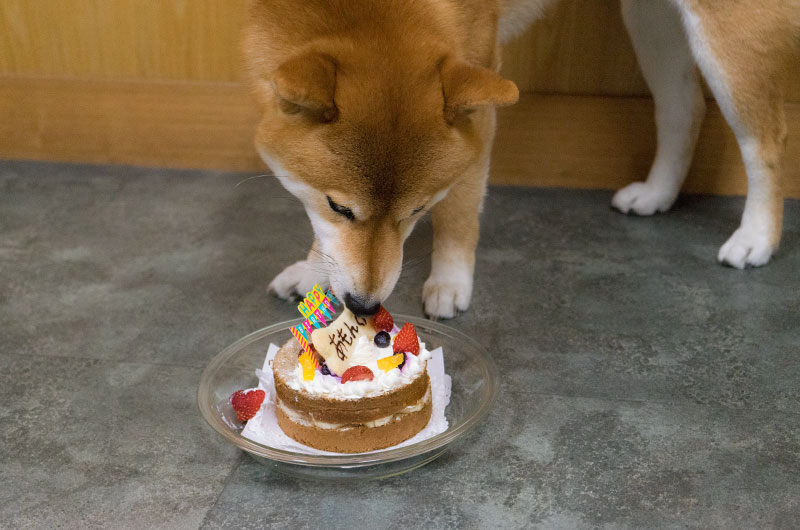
(387, 106)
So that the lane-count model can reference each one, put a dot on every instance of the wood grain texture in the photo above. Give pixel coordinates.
(601, 142)
(203, 125)
(567, 141)
(122, 39)
(580, 47)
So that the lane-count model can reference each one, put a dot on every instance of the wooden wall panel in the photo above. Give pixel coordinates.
(155, 82)
(121, 39)
(580, 48)
(171, 124)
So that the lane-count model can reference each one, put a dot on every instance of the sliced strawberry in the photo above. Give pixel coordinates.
(383, 321)
(406, 340)
(357, 373)
(246, 404)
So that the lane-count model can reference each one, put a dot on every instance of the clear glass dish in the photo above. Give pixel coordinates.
(474, 388)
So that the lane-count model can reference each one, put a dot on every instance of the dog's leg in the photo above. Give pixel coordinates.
(299, 278)
(741, 49)
(669, 69)
(448, 289)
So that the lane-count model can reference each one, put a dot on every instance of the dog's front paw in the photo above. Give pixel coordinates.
(297, 279)
(642, 198)
(746, 248)
(445, 297)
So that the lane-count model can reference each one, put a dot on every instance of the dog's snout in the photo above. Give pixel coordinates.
(361, 306)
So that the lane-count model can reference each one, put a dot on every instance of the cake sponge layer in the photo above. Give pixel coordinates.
(357, 438)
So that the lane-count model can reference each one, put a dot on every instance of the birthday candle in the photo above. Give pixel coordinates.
(301, 339)
(302, 330)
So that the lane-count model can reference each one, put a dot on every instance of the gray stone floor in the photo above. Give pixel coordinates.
(644, 386)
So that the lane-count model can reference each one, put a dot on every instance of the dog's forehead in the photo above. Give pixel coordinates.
(388, 165)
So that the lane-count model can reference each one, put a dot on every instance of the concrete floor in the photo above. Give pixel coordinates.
(644, 386)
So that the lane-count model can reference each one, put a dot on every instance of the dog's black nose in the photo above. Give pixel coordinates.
(359, 306)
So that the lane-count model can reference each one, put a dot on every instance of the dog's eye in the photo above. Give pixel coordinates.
(417, 210)
(341, 210)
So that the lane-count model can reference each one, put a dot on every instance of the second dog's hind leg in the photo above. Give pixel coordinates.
(666, 61)
(742, 48)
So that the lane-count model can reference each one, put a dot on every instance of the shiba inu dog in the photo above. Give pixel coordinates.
(378, 111)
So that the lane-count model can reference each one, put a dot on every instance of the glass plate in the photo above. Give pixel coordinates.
(474, 388)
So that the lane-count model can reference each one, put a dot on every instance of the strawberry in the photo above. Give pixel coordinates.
(246, 404)
(383, 321)
(406, 340)
(357, 373)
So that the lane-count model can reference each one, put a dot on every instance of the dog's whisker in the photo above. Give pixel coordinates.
(266, 175)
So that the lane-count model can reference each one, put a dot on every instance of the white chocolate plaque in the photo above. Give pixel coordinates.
(337, 341)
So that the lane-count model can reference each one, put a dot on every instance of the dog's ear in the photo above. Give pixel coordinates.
(307, 83)
(467, 87)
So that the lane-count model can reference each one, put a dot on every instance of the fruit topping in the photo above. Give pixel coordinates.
(402, 364)
(246, 404)
(382, 339)
(406, 339)
(357, 373)
(387, 363)
(383, 320)
(324, 369)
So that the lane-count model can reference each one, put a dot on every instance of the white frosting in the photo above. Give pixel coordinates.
(366, 354)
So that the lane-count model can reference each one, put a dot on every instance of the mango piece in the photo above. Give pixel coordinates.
(387, 363)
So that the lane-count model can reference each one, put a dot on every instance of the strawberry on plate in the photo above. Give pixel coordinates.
(246, 404)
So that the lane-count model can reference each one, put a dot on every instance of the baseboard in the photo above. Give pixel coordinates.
(563, 141)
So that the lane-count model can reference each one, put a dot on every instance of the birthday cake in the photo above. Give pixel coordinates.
(350, 384)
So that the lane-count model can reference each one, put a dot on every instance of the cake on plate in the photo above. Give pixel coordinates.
(355, 415)
(346, 383)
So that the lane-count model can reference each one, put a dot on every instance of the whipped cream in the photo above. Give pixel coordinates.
(366, 353)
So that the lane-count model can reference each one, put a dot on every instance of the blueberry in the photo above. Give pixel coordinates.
(324, 369)
(402, 364)
(382, 339)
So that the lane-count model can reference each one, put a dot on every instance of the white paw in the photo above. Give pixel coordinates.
(746, 248)
(642, 198)
(445, 297)
(297, 279)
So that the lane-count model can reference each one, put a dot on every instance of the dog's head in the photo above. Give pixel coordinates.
(369, 128)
